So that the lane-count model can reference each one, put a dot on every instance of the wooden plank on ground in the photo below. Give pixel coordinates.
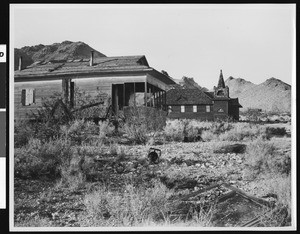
(245, 195)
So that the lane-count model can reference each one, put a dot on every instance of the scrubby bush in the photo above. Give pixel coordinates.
(72, 174)
(263, 158)
(185, 129)
(242, 131)
(142, 123)
(131, 207)
(106, 129)
(22, 133)
(179, 130)
(220, 127)
(208, 135)
(279, 187)
(174, 130)
(137, 133)
(276, 131)
(46, 131)
(253, 115)
(226, 131)
(79, 131)
(194, 130)
(37, 158)
(24, 130)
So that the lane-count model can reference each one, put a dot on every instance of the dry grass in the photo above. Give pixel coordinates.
(145, 198)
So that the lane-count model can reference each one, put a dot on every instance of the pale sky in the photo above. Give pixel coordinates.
(251, 41)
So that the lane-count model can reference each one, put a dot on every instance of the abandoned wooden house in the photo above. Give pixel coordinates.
(198, 104)
(116, 81)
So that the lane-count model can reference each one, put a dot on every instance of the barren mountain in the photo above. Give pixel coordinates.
(237, 86)
(271, 95)
(57, 51)
(188, 83)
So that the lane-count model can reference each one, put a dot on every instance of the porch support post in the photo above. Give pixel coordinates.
(134, 101)
(150, 91)
(160, 99)
(66, 89)
(146, 93)
(165, 100)
(155, 96)
(124, 95)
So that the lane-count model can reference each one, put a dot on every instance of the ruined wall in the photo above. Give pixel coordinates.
(97, 88)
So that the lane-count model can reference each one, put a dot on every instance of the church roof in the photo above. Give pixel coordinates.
(235, 102)
(209, 93)
(187, 97)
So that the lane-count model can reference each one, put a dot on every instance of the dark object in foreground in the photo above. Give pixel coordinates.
(154, 155)
(235, 148)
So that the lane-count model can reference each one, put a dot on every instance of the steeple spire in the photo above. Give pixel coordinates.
(221, 83)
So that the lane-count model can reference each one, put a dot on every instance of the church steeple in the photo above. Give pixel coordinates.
(221, 83)
(221, 91)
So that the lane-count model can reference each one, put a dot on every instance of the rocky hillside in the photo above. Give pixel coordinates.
(238, 85)
(56, 51)
(188, 83)
(271, 95)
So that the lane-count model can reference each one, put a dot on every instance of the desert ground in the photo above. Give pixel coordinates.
(203, 174)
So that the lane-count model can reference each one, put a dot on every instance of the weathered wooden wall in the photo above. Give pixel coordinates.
(44, 89)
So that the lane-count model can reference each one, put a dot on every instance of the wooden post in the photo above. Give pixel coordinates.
(72, 96)
(145, 93)
(165, 100)
(116, 98)
(154, 96)
(160, 99)
(65, 90)
(150, 95)
(124, 95)
(134, 101)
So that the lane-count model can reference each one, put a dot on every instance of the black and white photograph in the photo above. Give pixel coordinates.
(152, 117)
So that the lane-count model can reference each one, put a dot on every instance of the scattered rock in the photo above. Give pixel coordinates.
(235, 148)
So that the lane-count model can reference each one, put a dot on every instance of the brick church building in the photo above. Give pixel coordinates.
(202, 105)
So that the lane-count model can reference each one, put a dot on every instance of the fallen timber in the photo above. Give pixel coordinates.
(247, 196)
(234, 191)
